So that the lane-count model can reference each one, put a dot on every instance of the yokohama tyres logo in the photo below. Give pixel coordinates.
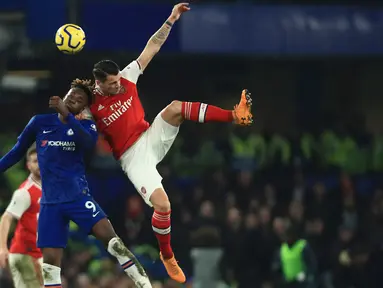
(66, 145)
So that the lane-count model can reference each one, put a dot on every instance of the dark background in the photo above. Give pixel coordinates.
(313, 67)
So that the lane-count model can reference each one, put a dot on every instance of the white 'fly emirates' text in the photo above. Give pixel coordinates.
(121, 109)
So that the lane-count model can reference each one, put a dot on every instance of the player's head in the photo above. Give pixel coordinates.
(79, 96)
(32, 163)
(107, 76)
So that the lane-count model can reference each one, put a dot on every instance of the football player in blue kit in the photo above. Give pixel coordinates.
(61, 140)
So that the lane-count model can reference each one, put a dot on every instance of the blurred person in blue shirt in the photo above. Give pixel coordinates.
(61, 141)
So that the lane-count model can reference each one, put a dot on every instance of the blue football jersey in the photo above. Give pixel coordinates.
(60, 151)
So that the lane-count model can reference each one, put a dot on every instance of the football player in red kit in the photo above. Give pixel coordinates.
(139, 146)
(24, 257)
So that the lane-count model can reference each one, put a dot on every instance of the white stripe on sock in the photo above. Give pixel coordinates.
(162, 231)
(202, 112)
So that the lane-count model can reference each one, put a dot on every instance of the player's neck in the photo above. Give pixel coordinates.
(99, 90)
(36, 179)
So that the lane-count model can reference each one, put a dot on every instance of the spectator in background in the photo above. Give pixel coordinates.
(279, 229)
(233, 231)
(350, 255)
(317, 204)
(315, 235)
(296, 214)
(244, 188)
(251, 254)
(270, 196)
(207, 215)
(207, 257)
(299, 192)
(296, 261)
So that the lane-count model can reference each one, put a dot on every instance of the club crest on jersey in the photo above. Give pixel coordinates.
(70, 132)
(122, 90)
(100, 107)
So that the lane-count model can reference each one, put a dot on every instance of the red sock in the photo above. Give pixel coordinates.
(161, 228)
(201, 112)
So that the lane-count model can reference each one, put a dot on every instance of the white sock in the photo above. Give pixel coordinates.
(51, 275)
(128, 262)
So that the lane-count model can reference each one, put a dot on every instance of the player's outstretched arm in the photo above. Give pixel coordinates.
(24, 141)
(158, 39)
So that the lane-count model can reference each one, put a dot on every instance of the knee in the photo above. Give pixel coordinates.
(172, 114)
(51, 257)
(107, 239)
(104, 231)
(162, 206)
(175, 108)
(160, 201)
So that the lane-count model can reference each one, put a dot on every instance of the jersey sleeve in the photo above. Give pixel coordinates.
(132, 72)
(21, 201)
(24, 141)
(85, 131)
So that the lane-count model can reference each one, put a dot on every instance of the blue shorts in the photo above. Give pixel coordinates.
(53, 224)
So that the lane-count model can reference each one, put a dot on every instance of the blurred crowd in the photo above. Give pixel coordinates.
(238, 195)
(234, 195)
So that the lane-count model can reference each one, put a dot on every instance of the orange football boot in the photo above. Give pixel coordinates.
(242, 112)
(174, 271)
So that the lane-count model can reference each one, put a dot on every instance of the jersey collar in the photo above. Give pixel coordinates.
(34, 180)
(98, 90)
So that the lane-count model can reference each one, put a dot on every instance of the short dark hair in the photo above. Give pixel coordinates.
(102, 69)
(86, 86)
(31, 150)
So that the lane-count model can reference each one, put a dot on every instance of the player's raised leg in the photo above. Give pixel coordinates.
(178, 111)
(89, 216)
(104, 232)
(174, 114)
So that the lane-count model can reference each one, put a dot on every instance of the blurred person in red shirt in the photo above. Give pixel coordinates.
(24, 257)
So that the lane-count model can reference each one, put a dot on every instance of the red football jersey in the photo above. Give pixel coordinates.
(26, 198)
(121, 117)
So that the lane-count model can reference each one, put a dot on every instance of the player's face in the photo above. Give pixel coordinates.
(76, 100)
(111, 85)
(33, 165)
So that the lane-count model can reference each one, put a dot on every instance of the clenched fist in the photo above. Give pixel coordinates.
(178, 10)
(57, 103)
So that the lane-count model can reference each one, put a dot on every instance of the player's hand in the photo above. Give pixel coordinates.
(3, 257)
(55, 102)
(178, 10)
